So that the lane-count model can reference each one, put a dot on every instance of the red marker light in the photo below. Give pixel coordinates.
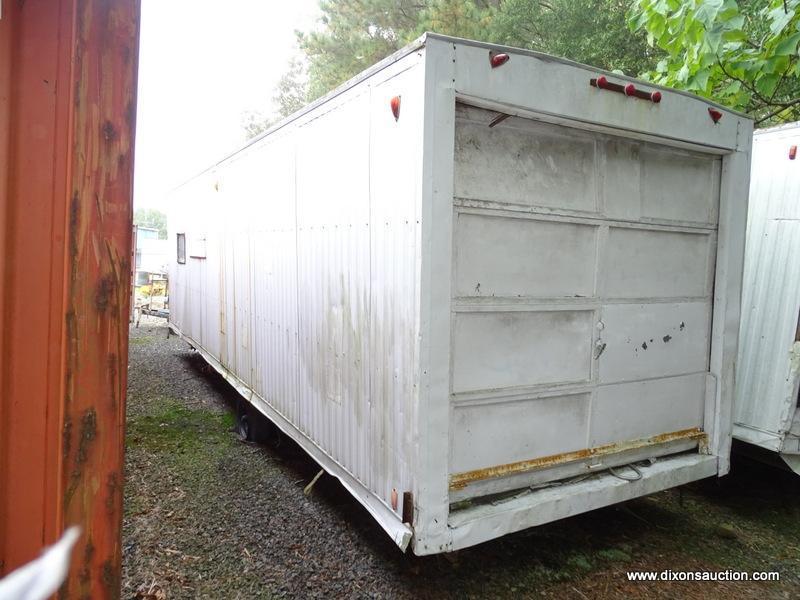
(498, 59)
(602, 82)
(792, 152)
(714, 114)
(395, 104)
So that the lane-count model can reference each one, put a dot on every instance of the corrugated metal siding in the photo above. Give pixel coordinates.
(309, 292)
(334, 280)
(767, 368)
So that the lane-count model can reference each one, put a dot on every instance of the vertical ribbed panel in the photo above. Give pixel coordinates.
(333, 200)
(310, 289)
(767, 369)
(394, 299)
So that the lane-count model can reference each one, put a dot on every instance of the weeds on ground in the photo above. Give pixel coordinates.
(189, 441)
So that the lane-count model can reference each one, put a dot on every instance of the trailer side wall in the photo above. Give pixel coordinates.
(768, 368)
(301, 277)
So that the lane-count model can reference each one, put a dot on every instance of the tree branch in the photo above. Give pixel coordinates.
(778, 111)
(749, 87)
(780, 81)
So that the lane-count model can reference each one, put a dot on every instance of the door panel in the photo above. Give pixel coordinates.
(642, 409)
(582, 292)
(501, 350)
(509, 432)
(555, 258)
(644, 341)
(646, 263)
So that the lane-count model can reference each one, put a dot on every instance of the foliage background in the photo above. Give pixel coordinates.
(354, 34)
(740, 53)
(151, 217)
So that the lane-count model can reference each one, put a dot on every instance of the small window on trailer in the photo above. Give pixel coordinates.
(181, 248)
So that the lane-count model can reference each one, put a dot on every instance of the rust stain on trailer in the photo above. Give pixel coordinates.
(460, 480)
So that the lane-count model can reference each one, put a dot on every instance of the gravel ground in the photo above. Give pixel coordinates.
(208, 516)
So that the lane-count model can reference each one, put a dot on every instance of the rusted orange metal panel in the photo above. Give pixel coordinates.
(30, 362)
(67, 107)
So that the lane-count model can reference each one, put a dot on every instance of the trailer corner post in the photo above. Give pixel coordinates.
(734, 191)
(432, 498)
(67, 120)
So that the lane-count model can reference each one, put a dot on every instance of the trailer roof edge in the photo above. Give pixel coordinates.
(572, 63)
(783, 127)
(418, 43)
(352, 82)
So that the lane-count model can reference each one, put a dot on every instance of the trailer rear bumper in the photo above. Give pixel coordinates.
(476, 524)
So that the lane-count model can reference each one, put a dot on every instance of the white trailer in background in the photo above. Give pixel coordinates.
(768, 369)
(477, 284)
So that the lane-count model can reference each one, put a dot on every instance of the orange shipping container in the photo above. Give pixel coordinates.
(67, 113)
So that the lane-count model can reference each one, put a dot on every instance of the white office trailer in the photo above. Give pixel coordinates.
(768, 369)
(484, 287)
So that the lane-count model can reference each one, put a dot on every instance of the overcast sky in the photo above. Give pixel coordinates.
(202, 64)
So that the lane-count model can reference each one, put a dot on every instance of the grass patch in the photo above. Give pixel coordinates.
(188, 443)
(139, 341)
(580, 563)
(170, 427)
(614, 555)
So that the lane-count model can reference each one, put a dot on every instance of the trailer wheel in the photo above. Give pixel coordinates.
(275, 436)
(244, 425)
(252, 426)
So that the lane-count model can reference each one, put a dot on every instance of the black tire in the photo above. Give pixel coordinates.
(252, 426)
(273, 435)
(244, 425)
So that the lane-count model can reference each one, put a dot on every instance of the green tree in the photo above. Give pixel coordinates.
(254, 123)
(292, 93)
(355, 34)
(151, 217)
(359, 33)
(744, 54)
(593, 32)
